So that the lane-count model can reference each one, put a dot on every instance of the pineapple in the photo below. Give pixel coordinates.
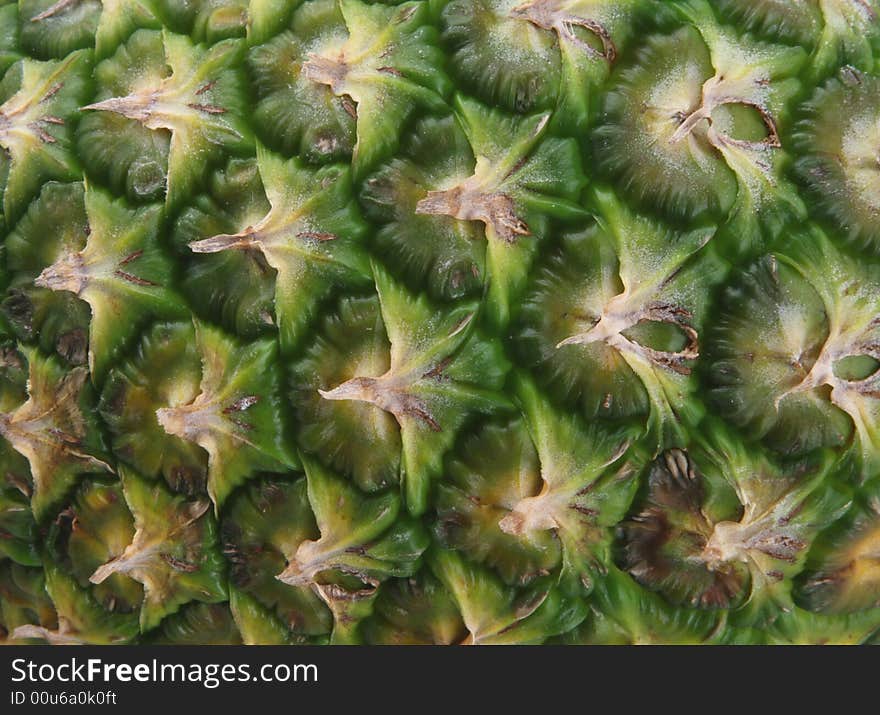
(439, 321)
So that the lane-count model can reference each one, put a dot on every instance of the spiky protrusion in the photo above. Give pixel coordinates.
(35, 133)
(234, 417)
(612, 322)
(538, 54)
(385, 50)
(55, 430)
(515, 168)
(781, 353)
(209, 424)
(435, 377)
(121, 269)
(720, 528)
(706, 107)
(173, 552)
(191, 95)
(311, 236)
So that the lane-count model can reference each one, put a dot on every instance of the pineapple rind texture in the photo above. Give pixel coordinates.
(440, 322)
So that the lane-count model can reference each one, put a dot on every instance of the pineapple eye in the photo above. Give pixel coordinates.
(54, 29)
(415, 610)
(795, 22)
(440, 322)
(856, 367)
(843, 570)
(667, 545)
(837, 143)
(95, 526)
(199, 624)
(495, 469)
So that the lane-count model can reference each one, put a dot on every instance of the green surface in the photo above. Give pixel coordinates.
(446, 321)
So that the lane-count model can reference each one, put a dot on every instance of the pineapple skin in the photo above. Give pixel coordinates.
(439, 322)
